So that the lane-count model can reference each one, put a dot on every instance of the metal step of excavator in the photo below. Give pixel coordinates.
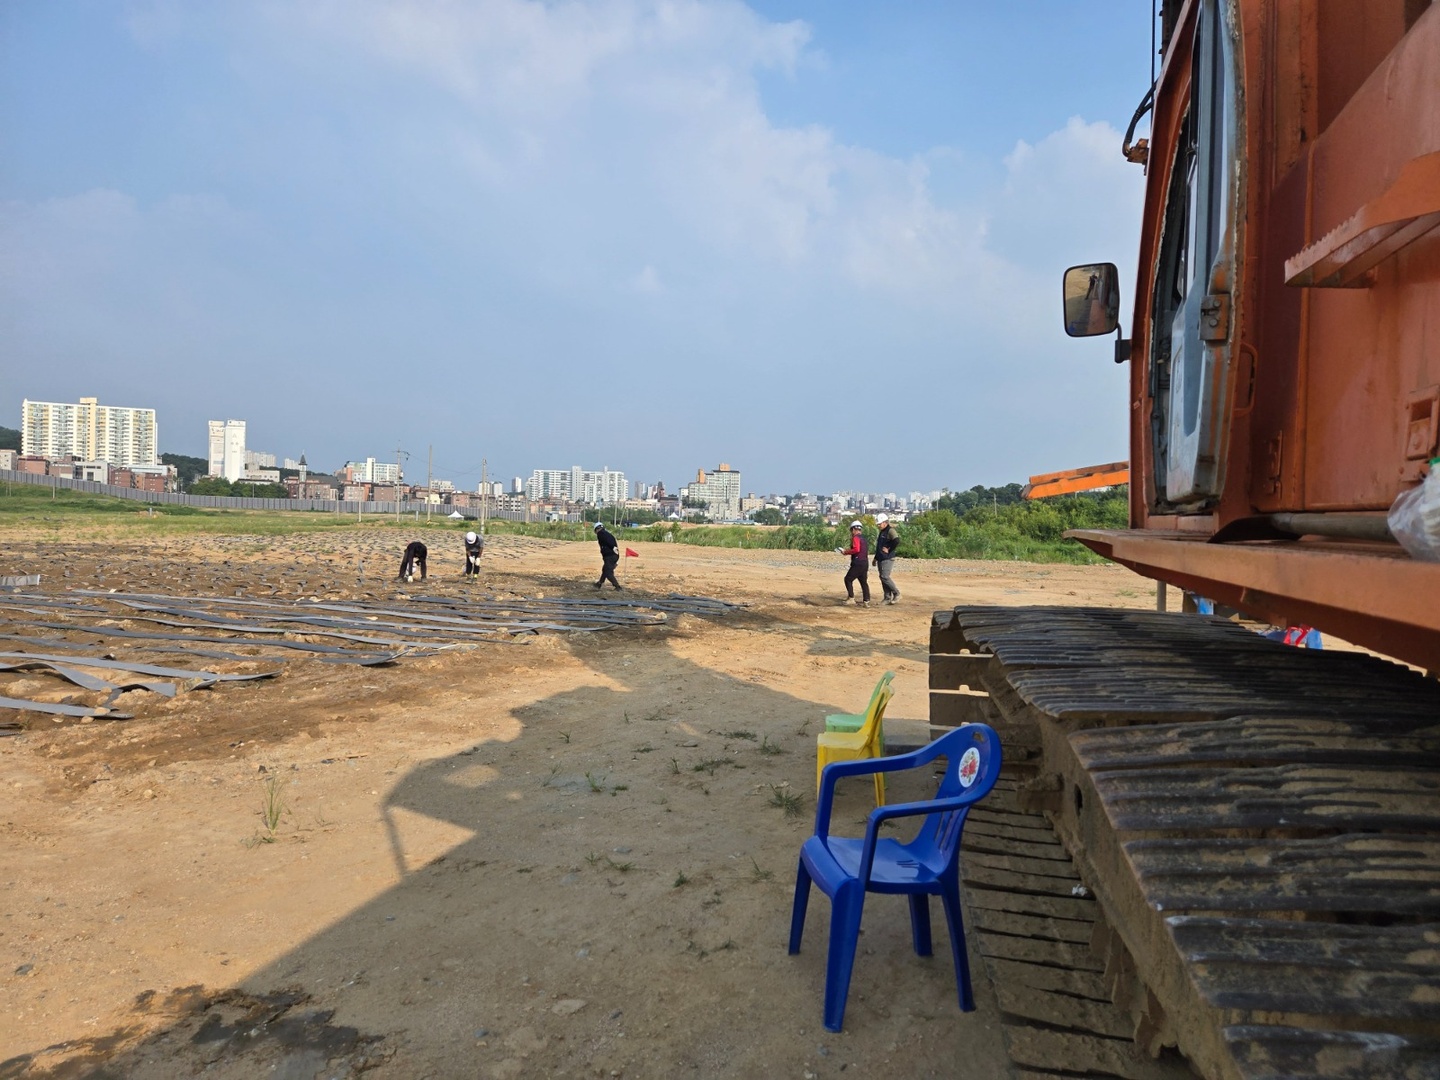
(1255, 830)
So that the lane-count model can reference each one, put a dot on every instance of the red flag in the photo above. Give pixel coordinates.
(631, 554)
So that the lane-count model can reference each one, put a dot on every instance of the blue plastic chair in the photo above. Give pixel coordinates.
(845, 869)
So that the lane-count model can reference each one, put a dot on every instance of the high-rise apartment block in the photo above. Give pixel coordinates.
(227, 449)
(577, 485)
(371, 471)
(719, 490)
(89, 431)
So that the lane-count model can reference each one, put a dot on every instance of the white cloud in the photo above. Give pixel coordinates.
(647, 282)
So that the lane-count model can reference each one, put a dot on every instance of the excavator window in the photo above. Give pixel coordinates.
(1189, 363)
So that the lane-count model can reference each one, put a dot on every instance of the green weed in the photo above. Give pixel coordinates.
(791, 803)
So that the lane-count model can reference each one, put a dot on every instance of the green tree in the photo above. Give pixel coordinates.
(768, 515)
(211, 485)
(944, 522)
(187, 468)
(9, 439)
(255, 489)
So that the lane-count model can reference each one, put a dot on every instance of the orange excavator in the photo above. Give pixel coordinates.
(1250, 880)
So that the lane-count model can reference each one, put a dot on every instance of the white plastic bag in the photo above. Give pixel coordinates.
(1414, 517)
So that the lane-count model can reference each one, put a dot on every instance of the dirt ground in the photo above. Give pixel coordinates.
(556, 855)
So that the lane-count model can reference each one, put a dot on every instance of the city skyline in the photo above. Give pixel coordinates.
(829, 246)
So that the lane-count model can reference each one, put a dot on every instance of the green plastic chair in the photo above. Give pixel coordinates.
(850, 723)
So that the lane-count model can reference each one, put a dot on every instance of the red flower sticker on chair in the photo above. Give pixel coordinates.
(969, 767)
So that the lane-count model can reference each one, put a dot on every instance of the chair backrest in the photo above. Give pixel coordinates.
(874, 718)
(972, 766)
(883, 684)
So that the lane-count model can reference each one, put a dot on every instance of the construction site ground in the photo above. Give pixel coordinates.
(552, 854)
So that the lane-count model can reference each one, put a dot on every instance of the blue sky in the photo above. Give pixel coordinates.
(820, 241)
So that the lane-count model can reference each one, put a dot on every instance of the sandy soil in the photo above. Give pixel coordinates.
(560, 855)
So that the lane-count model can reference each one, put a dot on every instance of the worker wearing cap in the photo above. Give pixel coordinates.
(609, 555)
(885, 545)
(859, 552)
(474, 548)
(414, 556)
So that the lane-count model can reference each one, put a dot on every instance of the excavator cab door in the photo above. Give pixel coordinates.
(1191, 341)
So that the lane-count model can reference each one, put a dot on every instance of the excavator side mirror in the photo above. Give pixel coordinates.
(1092, 299)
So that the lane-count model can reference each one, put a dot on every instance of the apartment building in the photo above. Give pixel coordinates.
(371, 471)
(89, 431)
(597, 487)
(227, 449)
(719, 490)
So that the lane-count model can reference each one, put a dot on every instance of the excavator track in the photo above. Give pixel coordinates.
(1203, 841)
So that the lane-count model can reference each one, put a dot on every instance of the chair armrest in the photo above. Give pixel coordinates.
(862, 767)
(913, 809)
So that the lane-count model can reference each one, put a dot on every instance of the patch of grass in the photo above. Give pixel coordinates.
(757, 874)
(272, 808)
(597, 783)
(593, 859)
(788, 801)
(769, 748)
(738, 733)
(619, 788)
(565, 735)
(675, 766)
(680, 879)
(709, 765)
(645, 749)
(619, 867)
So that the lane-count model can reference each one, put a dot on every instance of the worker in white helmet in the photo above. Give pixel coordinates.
(474, 548)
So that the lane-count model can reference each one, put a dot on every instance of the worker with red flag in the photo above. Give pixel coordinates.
(609, 555)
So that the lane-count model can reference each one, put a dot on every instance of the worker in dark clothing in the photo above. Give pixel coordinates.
(885, 545)
(414, 556)
(609, 555)
(474, 548)
(859, 552)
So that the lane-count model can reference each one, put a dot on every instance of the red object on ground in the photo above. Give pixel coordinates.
(631, 554)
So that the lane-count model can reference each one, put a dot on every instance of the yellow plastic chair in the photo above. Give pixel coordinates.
(853, 722)
(865, 743)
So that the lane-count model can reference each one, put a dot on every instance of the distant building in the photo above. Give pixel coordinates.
(89, 431)
(577, 485)
(227, 449)
(517, 486)
(258, 459)
(371, 471)
(719, 490)
(7, 459)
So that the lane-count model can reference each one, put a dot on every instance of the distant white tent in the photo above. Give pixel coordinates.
(456, 515)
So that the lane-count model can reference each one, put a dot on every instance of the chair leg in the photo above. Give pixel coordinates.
(845, 911)
(797, 913)
(879, 789)
(920, 923)
(950, 894)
